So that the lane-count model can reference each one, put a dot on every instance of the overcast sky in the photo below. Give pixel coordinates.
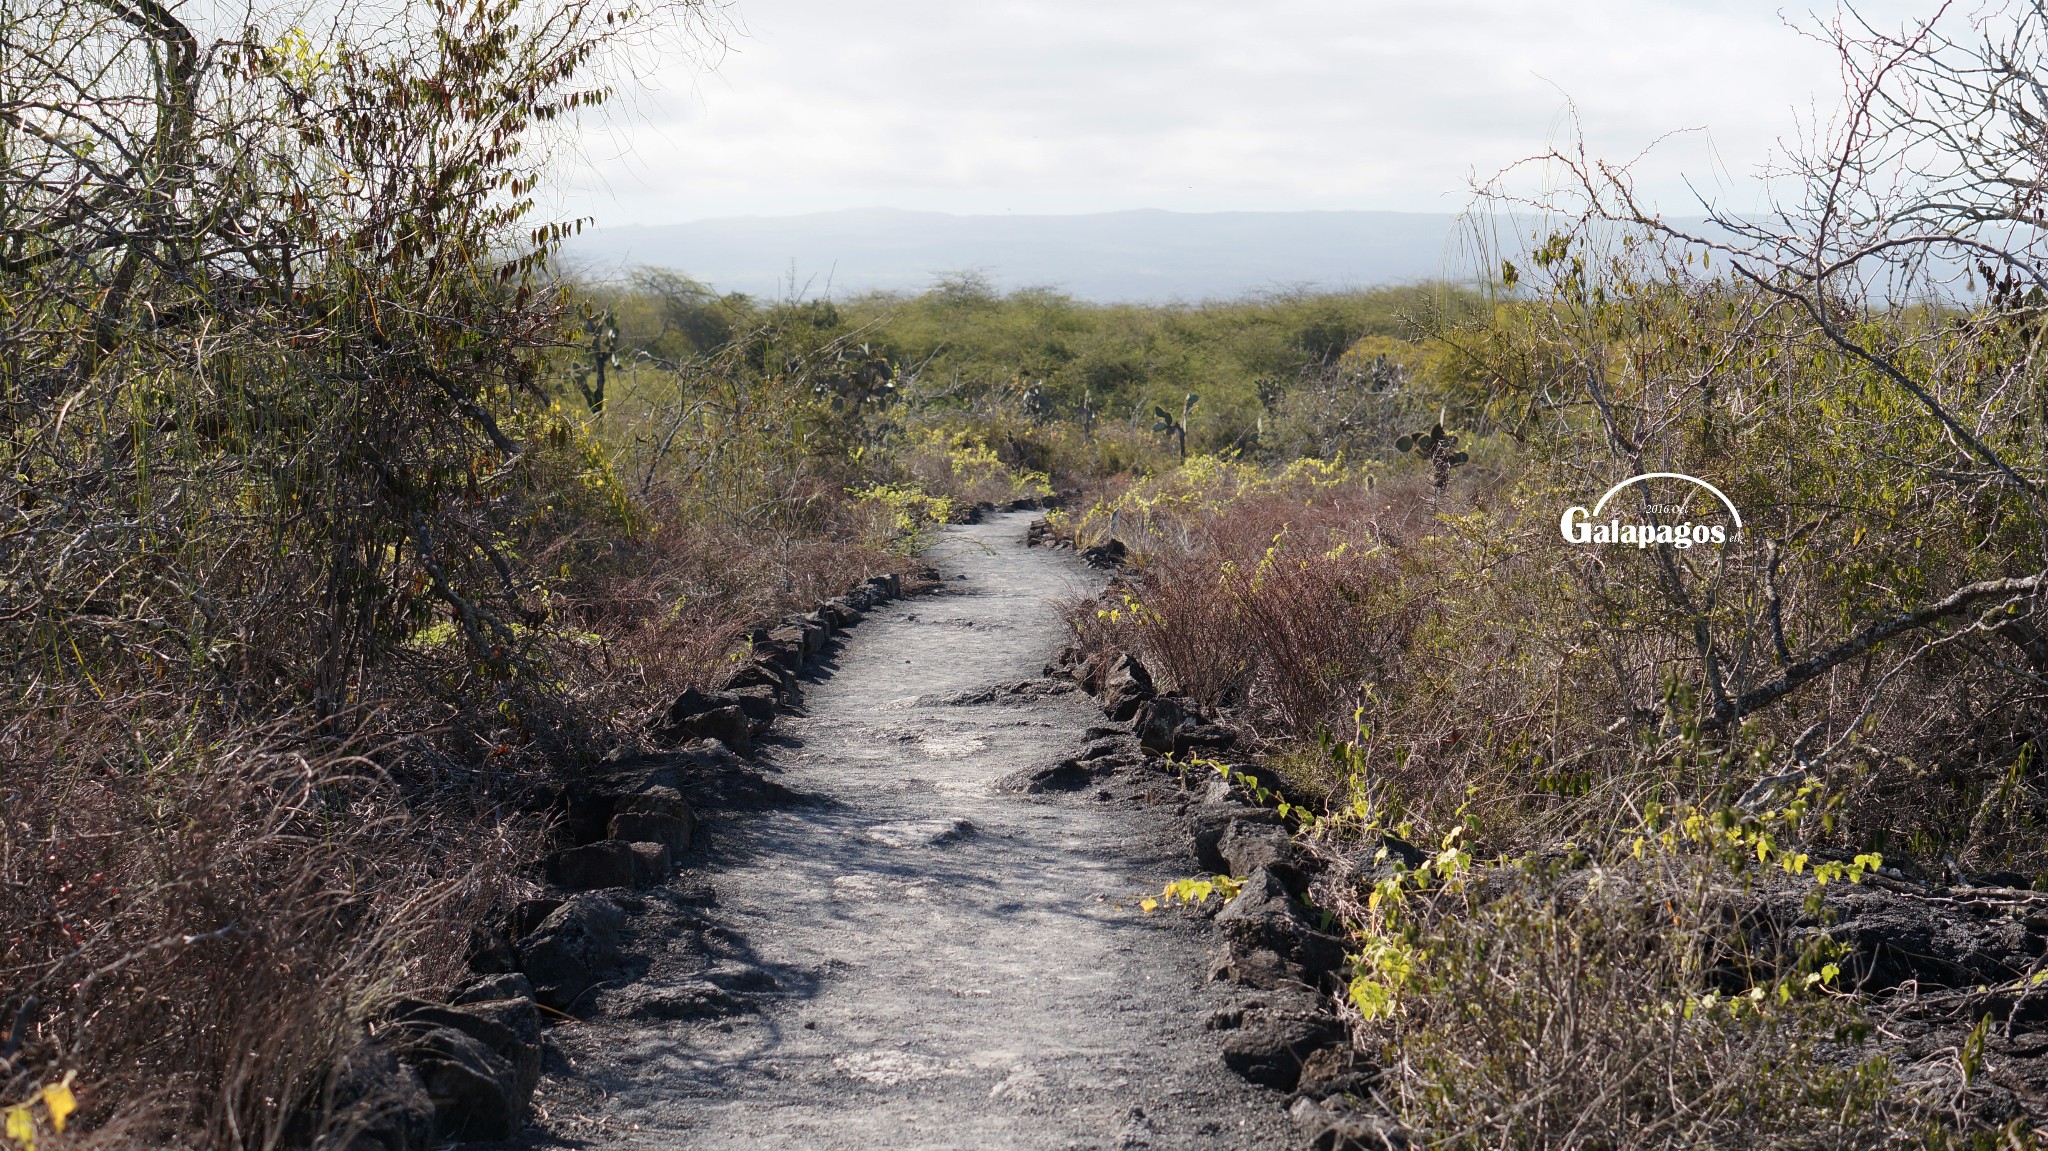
(1060, 106)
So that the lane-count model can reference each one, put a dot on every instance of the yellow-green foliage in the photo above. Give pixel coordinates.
(57, 1105)
(1568, 1005)
(1378, 353)
(911, 513)
(974, 463)
(964, 466)
(965, 356)
(1604, 997)
(1207, 485)
(1194, 891)
(1128, 356)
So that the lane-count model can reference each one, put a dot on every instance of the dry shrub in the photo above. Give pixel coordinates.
(207, 908)
(1552, 697)
(1676, 991)
(1283, 599)
(204, 924)
(672, 610)
(307, 586)
(1544, 695)
(1426, 627)
(1561, 1009)
(1522, 706)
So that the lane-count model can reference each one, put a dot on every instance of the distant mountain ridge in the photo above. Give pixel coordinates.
(1145, 255)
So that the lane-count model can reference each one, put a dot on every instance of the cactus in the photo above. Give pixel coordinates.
(1177, 428)
(1437, 446)
(1038, 403)
(601, 354)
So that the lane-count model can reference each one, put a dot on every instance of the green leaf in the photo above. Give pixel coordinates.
(1404, 443)
(1457, 459)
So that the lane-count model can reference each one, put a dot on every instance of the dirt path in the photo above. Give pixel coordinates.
(908, 959)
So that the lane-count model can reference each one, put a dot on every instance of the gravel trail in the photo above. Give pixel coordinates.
(916, 960)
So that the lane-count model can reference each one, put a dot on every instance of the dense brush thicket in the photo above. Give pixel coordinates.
(308, 576)
(1056, 384)
(270, 410)
(1624, 758)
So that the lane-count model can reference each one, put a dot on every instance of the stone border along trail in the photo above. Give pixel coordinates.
(906, 956)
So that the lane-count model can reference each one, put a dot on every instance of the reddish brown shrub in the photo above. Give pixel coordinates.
(670, 611)
(1284, 603)
(200, 930)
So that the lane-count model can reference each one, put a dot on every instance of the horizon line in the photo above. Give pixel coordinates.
(881, 208)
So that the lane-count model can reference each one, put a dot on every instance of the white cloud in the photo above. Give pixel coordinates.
(1092, 105)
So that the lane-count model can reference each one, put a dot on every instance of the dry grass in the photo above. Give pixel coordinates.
(207, 910)
(1280, 605)
(669, 612)
(1485, 676)
(202, 921)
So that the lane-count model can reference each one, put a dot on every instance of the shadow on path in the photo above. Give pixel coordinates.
(930, 963)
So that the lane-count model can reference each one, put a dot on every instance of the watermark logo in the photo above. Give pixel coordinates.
(1580, 526)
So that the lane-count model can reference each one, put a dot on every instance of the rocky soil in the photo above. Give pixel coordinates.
(913, 922)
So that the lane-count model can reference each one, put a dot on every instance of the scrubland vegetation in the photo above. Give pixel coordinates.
(333, 525)
(1644, 777)
(314, 570)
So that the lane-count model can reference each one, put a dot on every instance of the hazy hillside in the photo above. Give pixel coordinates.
(1139, 255)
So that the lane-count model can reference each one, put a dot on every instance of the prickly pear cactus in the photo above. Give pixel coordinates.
(1438, 447)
